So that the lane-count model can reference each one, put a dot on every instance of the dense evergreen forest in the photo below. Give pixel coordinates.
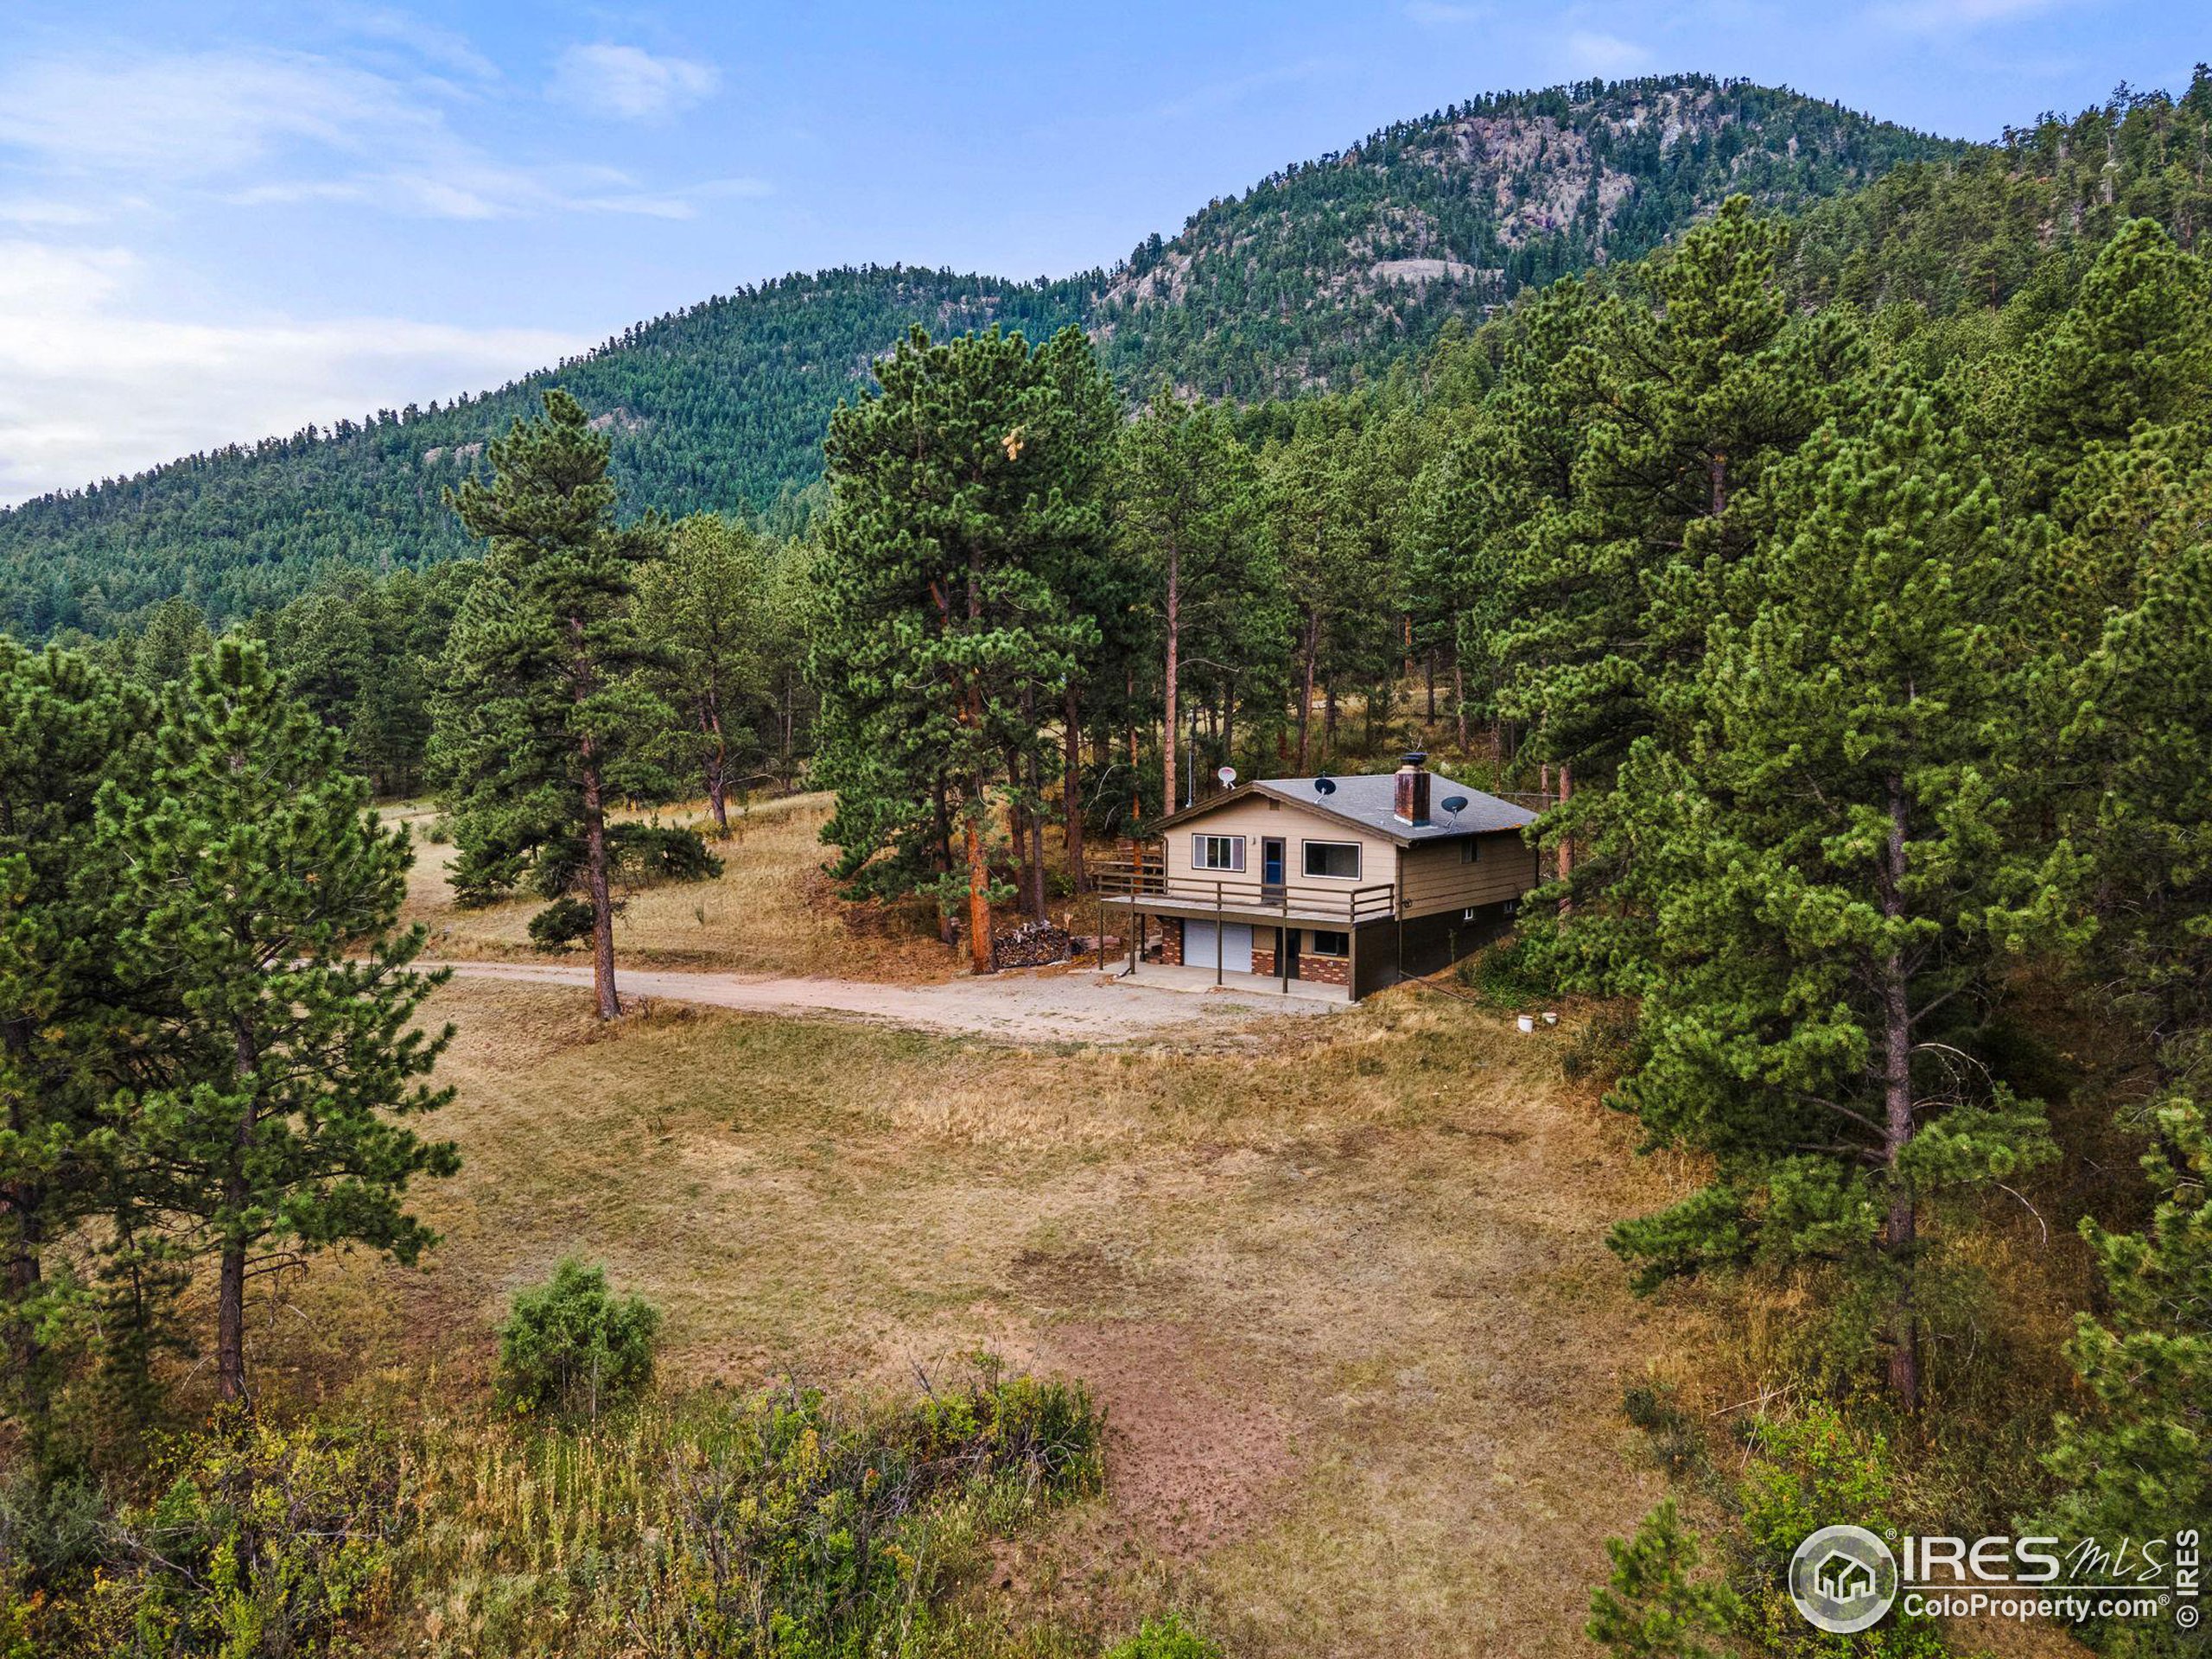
(721, 408)
(1837, 580)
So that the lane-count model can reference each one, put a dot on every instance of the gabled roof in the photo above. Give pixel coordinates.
(1366, 801)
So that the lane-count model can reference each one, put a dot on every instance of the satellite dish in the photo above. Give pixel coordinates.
(1455, 804)
(1228, 776)
(1324, 785)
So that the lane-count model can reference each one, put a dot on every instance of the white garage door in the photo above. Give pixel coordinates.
(1236, 939)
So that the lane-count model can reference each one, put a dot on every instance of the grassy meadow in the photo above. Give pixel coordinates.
(1343, 1295)
(773, 910)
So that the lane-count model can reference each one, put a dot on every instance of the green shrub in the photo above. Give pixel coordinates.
(568, 1347)
(1504, 974)
(654, 852)
(264, 1541)
(1652, 1607)
(1675, 1439)
(560, 925)
(1605, 1045)
(1820, 1468)
(1165, 1638)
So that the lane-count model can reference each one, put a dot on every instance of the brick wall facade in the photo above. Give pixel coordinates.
(1170, 939)
(1325, 970)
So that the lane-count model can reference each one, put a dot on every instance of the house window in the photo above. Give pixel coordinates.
(1328, 945)
(1339, 861)
(1217, 852)
(1470, 850)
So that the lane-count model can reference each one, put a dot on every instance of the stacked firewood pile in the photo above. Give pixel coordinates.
(1031, 944)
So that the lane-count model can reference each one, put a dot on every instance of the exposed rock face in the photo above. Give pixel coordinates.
(1304, 279)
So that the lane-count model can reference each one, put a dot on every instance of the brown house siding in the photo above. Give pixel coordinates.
(1438, 879)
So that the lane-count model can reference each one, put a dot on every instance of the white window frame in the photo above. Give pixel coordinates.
(1234, 844)
(1305, 860)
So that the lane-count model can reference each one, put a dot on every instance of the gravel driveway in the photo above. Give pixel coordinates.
(1080, 1007)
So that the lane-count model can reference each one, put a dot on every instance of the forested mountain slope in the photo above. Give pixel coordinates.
(1323, 270)
(1316, 276)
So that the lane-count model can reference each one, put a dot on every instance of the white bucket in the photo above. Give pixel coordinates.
(1527, 1022)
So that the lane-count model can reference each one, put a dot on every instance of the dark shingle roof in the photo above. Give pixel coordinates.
(1366, 799)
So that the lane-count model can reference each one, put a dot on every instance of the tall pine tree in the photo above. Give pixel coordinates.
(942, 641)
(249, 873)
(544, 717)
(1839, 885)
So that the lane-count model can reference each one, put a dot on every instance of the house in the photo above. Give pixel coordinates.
(1353, 881)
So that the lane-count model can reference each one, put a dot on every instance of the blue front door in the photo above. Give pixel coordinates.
(1271, 861)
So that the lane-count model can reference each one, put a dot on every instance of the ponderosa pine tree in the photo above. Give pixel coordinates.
(1684, 396)
(544, 717)
(2140, 1466)
(1838, 884)
(705, 604)
(64, 1036)
(254, 902)
(941, 640)
(1187, 504)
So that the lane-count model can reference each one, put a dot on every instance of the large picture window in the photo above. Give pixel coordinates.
(1217, 852)
(1336, 860)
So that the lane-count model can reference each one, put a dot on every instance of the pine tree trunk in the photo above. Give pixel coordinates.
(1174, 672)
(1566, 840)
(979, 892)
(1309, 648)
(604, 996)
(1072, 787)
(230, 1324)
(1897, 1126)
(230, 1279)
(941, 858)
(1037, 837)
(23, 1201)
(717, 771)
(1460, 699)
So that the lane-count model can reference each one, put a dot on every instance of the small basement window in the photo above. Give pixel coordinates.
(1328, 945)
(1217, 852)
(1339, 861)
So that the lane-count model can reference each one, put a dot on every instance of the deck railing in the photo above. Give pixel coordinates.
(1146, 877)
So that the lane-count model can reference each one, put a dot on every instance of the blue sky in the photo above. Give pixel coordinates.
(222, 220)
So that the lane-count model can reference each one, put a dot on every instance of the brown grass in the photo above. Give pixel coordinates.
(1344, 1296)
(772, 912)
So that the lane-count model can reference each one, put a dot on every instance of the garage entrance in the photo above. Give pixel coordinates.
(1227, 945)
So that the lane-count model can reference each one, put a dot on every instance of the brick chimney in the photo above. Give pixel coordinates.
(1413, 788)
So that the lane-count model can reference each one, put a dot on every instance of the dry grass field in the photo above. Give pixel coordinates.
(772, 912)
(1342, 1289)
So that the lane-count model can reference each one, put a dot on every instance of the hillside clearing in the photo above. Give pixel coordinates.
(1345, 1298)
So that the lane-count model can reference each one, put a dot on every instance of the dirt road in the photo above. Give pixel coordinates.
(1080, 1007)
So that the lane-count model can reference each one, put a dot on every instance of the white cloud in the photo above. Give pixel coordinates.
(271, 129)
(1589, 53)
(629, 83)
(446, 48)
(92, 387)
(1953, 16)
(200, 115)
